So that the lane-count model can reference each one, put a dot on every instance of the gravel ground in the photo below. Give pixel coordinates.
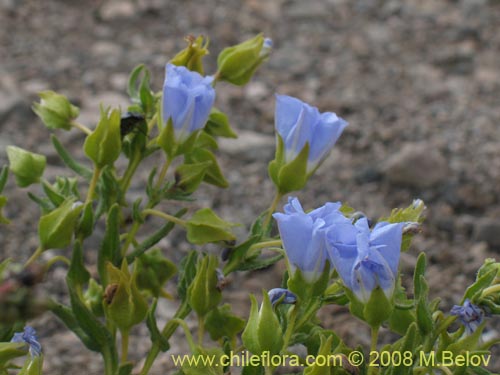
(418, 81)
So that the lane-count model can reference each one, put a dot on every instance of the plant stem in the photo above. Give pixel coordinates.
(271, 210)
(57, 258)
(163, 173)
(93, 184)
(490, 290)
(130, 237)
(201, 330)
(108, 361)
(262, 245)
(81, 127)
(34, 257)
(268, 370)
(173, 219)
(373, 346)
(124, 353)
(129, 172)
(290, 326)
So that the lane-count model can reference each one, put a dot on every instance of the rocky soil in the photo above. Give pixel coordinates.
(418, 81)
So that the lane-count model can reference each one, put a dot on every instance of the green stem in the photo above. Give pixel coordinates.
(268, 370)
(271, 210)
(93, 184)
(262, 245)
(129, 172)
(373, 346)
(167, 332)
(151, 122)
(57, 258)
(490, 290)
(130, 237)
(163, 173)
(201, 330)
(290, 326)
(81, 127)
(173, 219)
(34, 257)
(187, 332)
(124, 352)
(108, 361)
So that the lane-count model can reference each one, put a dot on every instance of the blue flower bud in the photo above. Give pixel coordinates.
(29, 337)
(299, 124)
(280, 295)
(366, 259)
(470, 315)
(188, 98)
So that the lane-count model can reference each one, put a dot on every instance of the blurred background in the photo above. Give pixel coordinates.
(418, 81)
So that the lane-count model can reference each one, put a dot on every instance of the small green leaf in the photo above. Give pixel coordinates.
(56, 228)
(218, 125)
(109, 250)
(154, 332)
(189, 176)
(203, 293)
(77, 273)
(479, 285)
(418, 273)
(220, 322)
(11, 350)
(205, 226)
(69, 161)
(153, 271)
(213, 173)
(187, 273)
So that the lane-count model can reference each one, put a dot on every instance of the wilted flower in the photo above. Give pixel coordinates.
(366, 259)
(299, 124)
(470, 315)
(30, 338)
(303, 235)
(282, 296)
(187, 100)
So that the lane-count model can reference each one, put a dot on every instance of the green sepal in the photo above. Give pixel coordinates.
(275, 165)
(69, 161)
(203, 293)
(153, 271)
(56, 228)
(306, 290)
(187, 273)
(205, 226)
(86, 223)
(27, 167)
(237, 64)
(220, 322)
(474, 291)
(11, 350)
(154, 332)
(324, 351)
(139, 90)
(108, 191)
(378, 309)
(213, 173)
(93, 297)
(166, 139)
(127, 307)
(77, 273)
(192, 56)
(263, 330)
(55, 110)
(218, 125)
(356, 307)
(104, 144)
(189, 176)
(110, 251)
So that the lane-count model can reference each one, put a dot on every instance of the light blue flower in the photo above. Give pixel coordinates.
(303, 235)
(299, 123)
(366, 258)
(30, 338)
(282, 296)
(470, 315)
(187, 99)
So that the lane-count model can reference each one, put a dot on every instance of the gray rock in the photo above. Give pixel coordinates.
(9, 103)
(488, 230)
(417, 165)
(249, 146)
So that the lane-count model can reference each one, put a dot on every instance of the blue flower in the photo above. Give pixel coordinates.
(299, 124)
(188, 98)
(30, 338)
(281, 295)
(470, 315)
(303, 235)
(366, 259)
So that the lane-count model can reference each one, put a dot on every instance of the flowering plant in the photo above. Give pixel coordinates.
(334, 254)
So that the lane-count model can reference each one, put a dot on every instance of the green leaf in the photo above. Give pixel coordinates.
(69, 161)
(213, 173)
(205, 226)
(125, 368)
(86, 224)
(32, 366)
(109, 250)
(218, 125)
(77, 273)
(324, 351)
(11, 350)
(479, 285)
(189, 176)
(203, 293)
(220, 322)
(238, 255)
(154, 332)
(418, 273)
(3, 202)
(153, 271)
(259, 263)
(55, 197)
(205, 140)
(27, 167)
(187, 273)
(133, 86)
